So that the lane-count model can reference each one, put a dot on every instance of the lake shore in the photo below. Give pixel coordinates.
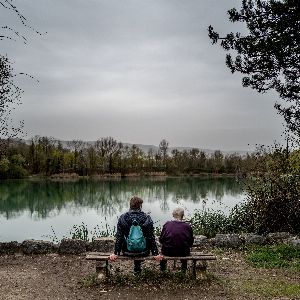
(119, 176)
(56, 276)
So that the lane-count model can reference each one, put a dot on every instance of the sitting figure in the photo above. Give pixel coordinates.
(135, 235)
(176, 239)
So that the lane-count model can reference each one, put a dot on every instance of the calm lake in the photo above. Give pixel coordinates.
(29, 209)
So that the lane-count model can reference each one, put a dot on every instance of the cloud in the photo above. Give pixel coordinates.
(136, 70)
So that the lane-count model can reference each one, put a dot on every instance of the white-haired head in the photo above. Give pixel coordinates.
(178, 213)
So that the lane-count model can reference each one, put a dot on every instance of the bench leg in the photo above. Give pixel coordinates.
(200, 269)
(174, 264)
(102, 270)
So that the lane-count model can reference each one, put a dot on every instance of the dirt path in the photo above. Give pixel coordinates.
(71, 277)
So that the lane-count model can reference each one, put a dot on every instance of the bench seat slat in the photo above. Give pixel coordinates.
(108, 254)
(105, 256)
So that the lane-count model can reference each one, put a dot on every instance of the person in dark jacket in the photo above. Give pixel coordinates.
(176, 239)
(123, 227)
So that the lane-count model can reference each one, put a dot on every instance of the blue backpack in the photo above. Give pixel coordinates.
(136, 241)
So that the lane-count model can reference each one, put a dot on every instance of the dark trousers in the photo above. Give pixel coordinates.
(137, 263)
(137, 266)
(163, 265)
(172, 252)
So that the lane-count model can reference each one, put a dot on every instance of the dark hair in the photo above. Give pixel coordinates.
(136, 202)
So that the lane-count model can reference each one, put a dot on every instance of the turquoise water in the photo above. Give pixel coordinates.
(29, 209)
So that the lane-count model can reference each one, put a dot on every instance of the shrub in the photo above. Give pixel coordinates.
(272, 204)
(209, 222)
(81, 232)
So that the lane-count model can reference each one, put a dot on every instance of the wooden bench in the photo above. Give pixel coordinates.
(199, 262)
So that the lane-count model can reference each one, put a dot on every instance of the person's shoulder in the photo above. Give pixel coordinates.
(141, 217)
(142, 213)
(147, 217)
(122, 216)
(187, 225)
(168, 223)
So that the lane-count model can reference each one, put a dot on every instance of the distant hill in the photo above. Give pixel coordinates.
(146, 148)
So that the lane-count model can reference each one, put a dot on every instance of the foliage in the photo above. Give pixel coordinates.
(10, 92)
(13, 168)
(240, 220)
(294, 162)
(10, 95)
(209, 222)
(157, 230)
(81, 232)
(53, 236)
(47, 156)
(4, 166)
(100, 232)
(276, 256)
(273, 204)
(268, 55)
(108, 149)
(163, 151)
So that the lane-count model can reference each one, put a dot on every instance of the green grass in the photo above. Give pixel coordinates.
(277, 256)
(89, 281)
(270, 289)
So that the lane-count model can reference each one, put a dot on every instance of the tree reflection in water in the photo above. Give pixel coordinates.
(43, 199)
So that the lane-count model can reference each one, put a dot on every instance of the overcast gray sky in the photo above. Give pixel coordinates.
(136, 70)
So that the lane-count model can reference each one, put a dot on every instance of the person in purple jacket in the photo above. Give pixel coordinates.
(176, 239)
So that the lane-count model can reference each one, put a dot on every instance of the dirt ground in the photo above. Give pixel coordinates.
(72, 277)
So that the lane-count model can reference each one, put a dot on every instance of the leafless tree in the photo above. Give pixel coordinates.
(107, 149)
(10, 93)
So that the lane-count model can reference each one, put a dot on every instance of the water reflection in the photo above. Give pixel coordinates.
(43, 199)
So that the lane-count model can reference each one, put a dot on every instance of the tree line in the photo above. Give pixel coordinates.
(47, 156)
